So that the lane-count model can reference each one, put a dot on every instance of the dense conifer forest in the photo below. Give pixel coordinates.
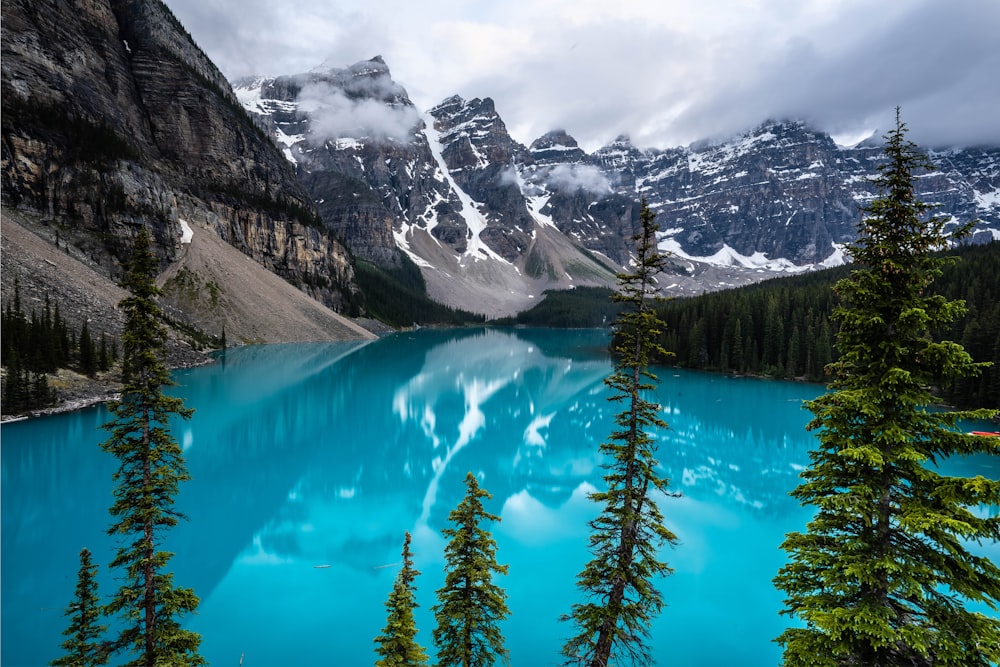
(37, 343)
(399, 298)
(579, 308)
(781, 328)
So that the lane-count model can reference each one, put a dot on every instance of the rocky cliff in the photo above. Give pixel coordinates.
(788, 192)
(438, 188)
(780, 198)
(112, 118)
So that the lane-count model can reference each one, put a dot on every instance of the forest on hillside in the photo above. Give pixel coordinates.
(782, 328)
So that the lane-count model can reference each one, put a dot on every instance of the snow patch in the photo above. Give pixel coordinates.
(186, 232)
(476, 248)
(988, 200)
(726, 256)
(535, 206)
(837, 258)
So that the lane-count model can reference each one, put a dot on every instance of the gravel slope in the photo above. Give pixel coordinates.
(255, 305)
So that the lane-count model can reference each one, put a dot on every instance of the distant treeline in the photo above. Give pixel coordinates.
(579, 308)
(782, 328)
(33, 345)
(399, 298)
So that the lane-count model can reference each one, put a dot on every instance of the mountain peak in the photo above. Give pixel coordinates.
(556, 146)
(552, 138)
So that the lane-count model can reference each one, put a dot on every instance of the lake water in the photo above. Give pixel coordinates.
(310, 461)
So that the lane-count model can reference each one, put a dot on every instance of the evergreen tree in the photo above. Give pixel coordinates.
(470, 606)
(83, 646)
(103, 357)
(151, 466)
(397, 645)
(42, 395)
(88, 353)
(15, 388)
(613, 625)
(882, 575)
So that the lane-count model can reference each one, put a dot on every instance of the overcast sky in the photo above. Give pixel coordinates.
(666, 72)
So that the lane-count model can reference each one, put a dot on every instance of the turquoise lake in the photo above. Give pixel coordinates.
(309, 462)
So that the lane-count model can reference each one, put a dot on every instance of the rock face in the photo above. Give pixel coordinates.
(480, 154)
(782, 197)
(358, 146)
(113, 118)
(440, 189)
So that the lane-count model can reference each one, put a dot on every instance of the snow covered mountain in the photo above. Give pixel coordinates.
(393, 183)
(493, 223)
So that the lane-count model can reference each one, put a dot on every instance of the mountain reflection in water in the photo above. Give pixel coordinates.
(309, 461)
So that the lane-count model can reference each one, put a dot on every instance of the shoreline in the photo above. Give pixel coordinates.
(93, 391)
(67, 406)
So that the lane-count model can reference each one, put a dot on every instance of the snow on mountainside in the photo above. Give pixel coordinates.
(395, 183)
(492, 223)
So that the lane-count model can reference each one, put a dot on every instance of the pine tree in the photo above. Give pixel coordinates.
(88, 353)
(103, 357)
(15, 390)
(83, 646)
(397, 645)
(470, 606)
(151, 466)
(42, 395)
(613, 625)
(882, 575)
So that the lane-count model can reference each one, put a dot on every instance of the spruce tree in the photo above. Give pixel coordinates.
(88, 353)
(15, 390)
(151, 466)
(84, 646)
(470, 606)
(613, 624)
(883, 574)
(397, 645)
(103, 357)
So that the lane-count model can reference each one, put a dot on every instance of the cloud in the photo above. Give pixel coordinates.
(572, 177)
(337, 113)
(667, 74)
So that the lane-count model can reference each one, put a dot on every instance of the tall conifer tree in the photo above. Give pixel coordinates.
(470, 606)
(613, 625)
(151, 466)
(884, 572)
(84, 646)
(397, 645)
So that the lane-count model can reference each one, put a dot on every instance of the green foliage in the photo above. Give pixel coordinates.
(973, 280)
(738, 330)
(579, 308)
(88, 352)
(151, 467)
(397, 645)
(399, 298)
(470, 606)
(780, 328)
(83, 645)
(32, 347)
(883, 574)
(613, 624)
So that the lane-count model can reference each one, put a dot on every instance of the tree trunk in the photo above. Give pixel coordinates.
(148, 571)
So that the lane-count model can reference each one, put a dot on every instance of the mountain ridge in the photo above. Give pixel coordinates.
(113, 118)
(781, 197)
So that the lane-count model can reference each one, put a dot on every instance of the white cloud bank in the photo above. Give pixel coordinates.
(665, 73)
